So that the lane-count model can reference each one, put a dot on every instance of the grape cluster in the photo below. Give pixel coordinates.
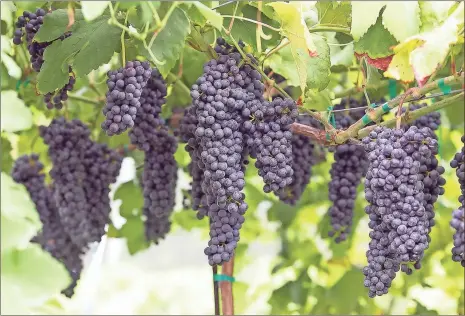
(28, 170)
(458, 217)
(303, 159)
(349, 167)
(151, 100)
(187, 126)
(433, 181)
(102, 166)
(394, 189)
(159, 176)
(271, 140)
(458, 163)
(55, 99)
(29, 24)
(219, 96)
(82, 172)
(125, 86)
(159, 183)
(458, 224)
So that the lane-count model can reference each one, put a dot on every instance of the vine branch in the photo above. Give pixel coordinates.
(375, 114)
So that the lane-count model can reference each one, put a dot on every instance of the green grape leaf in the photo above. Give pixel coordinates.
(283, 213)
(93, 9)
(56, 23)
(292, 291)
(146, 12)
(283, 63)
(364, 15)
(178, 95)
(16, 203)
(7, 8)
(266, 10)
(7, 161)
(54, 63)
(340, 55)
(301, 43)
(455, 113)
(377, 41)
(91, 45)
(317, 100)
(212, 17)
(373, 77)
(134, 232)
(15, 116)
(131, 198)
(406, 11)
(169, 43)
(16, 233)
(190, 65)
(334, 13)
(33, 275)
(318, 65)
(352, 279)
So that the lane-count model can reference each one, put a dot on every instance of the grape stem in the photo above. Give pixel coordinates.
(123, 47)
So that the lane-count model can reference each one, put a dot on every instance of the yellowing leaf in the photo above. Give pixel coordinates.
(295, 29)
(364, 15)
(400, 68)
(433, 13)
(420, 55)
(406, 11)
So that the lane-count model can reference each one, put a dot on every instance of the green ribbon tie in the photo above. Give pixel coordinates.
(331, 119)
(392, 88)
(446, 89)
(366, 119)
(223, 278)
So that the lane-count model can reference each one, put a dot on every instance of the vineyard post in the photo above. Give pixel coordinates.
(227, 300)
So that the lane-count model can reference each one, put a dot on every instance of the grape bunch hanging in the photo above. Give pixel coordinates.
(74, 208)
(28, 25)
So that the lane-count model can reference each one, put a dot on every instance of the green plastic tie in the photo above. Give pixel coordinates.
(26, 82)
(374, 105)
(446, 89)
(392, 88)
(126, 149)
(366, 119)
(386, 107)
(18, 84)
(331, 119)
(223, 278)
